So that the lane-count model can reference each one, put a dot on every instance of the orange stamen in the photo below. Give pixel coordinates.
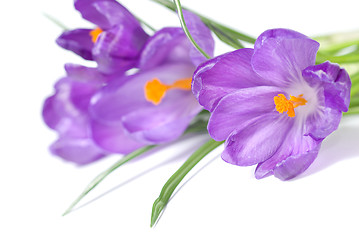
(95, 33)
(282, 104)
(155, 90)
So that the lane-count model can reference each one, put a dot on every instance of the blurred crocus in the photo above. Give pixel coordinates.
(67, 113)
(115, 42)
(154, 105)
(272, 104)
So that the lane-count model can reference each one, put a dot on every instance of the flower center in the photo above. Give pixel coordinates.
(95, 33)
(282, 104)
(155, 90)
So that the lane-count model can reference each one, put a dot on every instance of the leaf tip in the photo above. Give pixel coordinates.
(157, 208)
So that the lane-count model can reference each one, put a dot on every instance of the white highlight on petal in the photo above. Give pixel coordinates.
(309, 93)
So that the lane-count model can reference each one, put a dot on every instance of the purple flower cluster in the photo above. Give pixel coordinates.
(272, 104)
(103, 110)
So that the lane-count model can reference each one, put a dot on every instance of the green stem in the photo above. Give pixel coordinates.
(178, 176)
(185, 29)
(104, 174)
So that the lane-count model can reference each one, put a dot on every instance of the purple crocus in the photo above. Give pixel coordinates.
(67, 113)
(154, 105)
(272, 104)
(116, 41)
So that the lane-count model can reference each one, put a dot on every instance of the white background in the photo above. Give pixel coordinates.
(221, 201)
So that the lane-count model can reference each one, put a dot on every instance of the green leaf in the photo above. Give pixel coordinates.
(166, 3)
(352, 57)
(230, 31)
(354, 90)
(177, 177)
(224, 37)
(104, 174)
(224, 33)
(334, 43)
(146, 24)
(55, 21)
(185, 29)
(199, 124)
(352, 111)
(354, 102)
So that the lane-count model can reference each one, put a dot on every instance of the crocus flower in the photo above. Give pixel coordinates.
(272, 104)
(116, 41)
(67, 113)
(154, 105)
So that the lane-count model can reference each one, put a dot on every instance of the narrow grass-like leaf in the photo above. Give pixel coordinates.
(354, 102)
(55, 21)
(352, 111)
(178, 176)
(146, 24)
(352, 57)
(336, 48)
(354, 90)
(226, 31)
(104, 174)
(224, 37)
(186, 31)
(230, 31)
(198, 125)
(334, 43)
(166, 3)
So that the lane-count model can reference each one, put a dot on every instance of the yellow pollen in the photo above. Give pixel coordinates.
(95, 33)
(155, 90)
(282, 104)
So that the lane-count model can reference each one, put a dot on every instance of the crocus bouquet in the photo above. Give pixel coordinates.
(271, 104)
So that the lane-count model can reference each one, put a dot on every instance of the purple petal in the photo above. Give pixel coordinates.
(113, 138)
(77, 150)
(323, 123)
(105, 13)
(222, 75)
(257, 140)
(62, 114)
(239, 108)
(49, 113)
(67, 110)
(118, 49)
(280, 56)
(78, 41)
(82, 84)
(85, 74)
(164, 122)
(126, 95)
(278, 33)
(168, 45)
(295, 164)
(202, 36)
(297, 146)
(124, 101)
(334, 80)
